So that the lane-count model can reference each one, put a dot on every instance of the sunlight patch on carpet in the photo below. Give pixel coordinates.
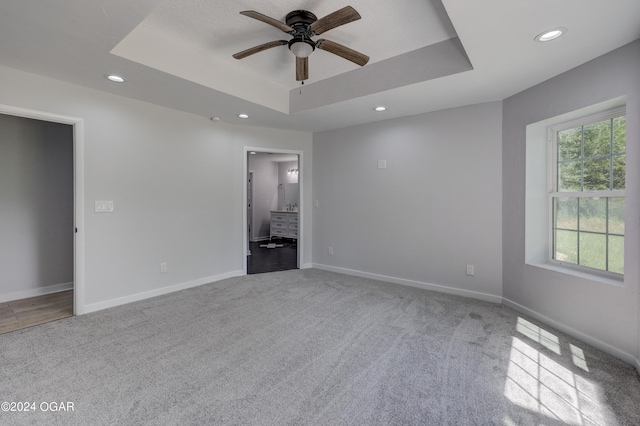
(540, 335)
(538, 383)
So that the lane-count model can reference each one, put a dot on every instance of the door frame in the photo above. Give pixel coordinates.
(250, 207)
(301, 204)
(78, 193)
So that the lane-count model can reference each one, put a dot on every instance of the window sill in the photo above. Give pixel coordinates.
(568, 270)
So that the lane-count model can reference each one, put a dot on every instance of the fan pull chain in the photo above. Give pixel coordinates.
(301, 84)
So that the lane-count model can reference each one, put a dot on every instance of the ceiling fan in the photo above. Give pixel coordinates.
(303, 25)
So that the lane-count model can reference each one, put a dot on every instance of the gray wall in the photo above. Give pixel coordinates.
(176, 180)
(36, 206)
(434, 209)
(265, 194)
(603, 313)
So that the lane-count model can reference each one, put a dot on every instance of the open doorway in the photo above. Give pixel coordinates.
(273, 211)
(38, 220)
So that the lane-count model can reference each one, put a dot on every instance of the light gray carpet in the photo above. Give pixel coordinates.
(312, 348)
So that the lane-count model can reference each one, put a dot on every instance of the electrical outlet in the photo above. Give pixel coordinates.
(470, 270)
(331, 251)
(163, 267)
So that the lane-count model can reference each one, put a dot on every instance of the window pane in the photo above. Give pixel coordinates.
(569, 176)
(593, 250)
(616, 215)
(566, 246)
(619, 169)
(588, 229)
(596, 174)
(619, 134)
(569, 143)
(597, 139)
(616, 254)
(593, 214)
(565, 213)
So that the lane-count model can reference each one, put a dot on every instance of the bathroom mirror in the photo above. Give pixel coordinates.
(291, 194)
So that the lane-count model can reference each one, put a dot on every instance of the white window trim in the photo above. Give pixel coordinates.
(538, 177)
(552, 184)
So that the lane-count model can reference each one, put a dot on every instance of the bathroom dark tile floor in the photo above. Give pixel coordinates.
(264, 259)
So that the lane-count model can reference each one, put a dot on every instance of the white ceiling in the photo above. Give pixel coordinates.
(177, 53)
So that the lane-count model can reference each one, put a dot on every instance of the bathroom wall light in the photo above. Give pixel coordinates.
(292, 172)
(243, 116)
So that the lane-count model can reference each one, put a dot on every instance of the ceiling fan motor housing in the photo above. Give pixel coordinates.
(300, 21)
(300, 18)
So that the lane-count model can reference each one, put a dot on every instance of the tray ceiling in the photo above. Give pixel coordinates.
(199, 37)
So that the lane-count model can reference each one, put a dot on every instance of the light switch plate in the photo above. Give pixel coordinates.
(382, 164)
(104, 206)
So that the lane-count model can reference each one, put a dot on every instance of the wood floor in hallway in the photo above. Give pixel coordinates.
(24, 313)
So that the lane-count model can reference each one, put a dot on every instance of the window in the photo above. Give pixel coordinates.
(587, 198)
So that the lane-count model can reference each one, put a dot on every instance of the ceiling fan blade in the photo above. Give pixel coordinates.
(342, 51)
(339, 17)
(260, 48)
(302, 69)
(267, 20)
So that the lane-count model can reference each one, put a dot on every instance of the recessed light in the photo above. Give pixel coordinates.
(253, 153)
(243, 116)
(115, 78)
(551, 34)
(380, 108)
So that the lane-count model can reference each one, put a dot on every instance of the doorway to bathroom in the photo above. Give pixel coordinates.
(273, 211)
(38, 225)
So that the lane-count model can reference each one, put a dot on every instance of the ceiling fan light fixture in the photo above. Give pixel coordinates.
(301, 47)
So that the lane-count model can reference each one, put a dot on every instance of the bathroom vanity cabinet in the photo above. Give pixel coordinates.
(284, 224)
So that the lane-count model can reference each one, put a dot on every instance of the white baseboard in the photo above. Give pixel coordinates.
(426, 286)
(604, 347)
(33, 292)
(93, 307)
